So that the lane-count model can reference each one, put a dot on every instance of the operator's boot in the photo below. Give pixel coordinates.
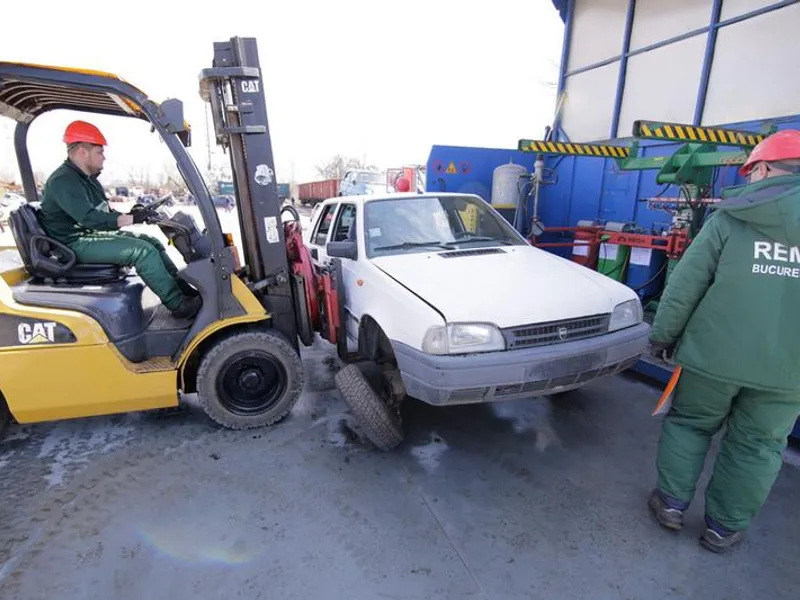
(667, 513)
(718, 539)
(188, 308)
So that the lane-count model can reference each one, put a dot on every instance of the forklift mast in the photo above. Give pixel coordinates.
(234, 88)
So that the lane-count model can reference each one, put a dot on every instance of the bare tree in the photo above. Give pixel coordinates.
(139, 175)
(338, 165)
(39, 177)
(170, 179)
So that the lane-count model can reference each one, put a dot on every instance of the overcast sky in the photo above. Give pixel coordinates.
(379, 80)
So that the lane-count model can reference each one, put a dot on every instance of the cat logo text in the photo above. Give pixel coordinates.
(36, 333)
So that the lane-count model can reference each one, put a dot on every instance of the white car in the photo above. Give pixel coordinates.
(456, 307)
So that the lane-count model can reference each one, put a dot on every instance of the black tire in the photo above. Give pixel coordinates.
(250, 379)
(381, 425)
(5, 414)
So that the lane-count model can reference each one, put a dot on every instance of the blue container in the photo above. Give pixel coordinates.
(646, 270)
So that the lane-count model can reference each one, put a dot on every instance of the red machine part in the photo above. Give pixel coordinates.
(321, 293)
(674, 243)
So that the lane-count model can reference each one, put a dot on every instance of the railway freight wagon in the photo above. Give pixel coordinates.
(317, 191)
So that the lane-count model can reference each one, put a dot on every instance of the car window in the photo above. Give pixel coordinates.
(345, 224)
(428, 223)
(324, 225)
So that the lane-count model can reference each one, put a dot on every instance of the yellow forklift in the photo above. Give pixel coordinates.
(79, 340)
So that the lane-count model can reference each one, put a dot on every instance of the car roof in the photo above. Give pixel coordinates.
(365, 198)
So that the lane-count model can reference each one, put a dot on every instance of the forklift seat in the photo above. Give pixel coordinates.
(48, 260)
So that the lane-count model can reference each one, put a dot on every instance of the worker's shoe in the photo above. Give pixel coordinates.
(666, 511)
(188, 308)
(186, 289)
(719, 539)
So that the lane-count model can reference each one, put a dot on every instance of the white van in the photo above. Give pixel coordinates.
(362, 181)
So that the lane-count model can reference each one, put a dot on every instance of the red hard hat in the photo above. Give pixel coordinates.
(81, 131)
(781, 145)
(401, 184)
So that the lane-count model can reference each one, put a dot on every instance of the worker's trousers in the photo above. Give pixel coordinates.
(750, 455)
(143, 252)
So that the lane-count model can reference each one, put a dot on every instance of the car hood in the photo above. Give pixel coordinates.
(512, 286)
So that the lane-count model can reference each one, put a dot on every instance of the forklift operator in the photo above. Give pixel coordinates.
(729, 309)
(75, 211)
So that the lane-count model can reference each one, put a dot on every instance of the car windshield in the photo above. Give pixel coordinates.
(426, 223)
(370, 177)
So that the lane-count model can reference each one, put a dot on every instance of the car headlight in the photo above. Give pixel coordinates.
(463, 338)
(626, 314)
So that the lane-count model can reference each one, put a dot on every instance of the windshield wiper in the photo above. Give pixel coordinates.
(407, 245)
(481, 238)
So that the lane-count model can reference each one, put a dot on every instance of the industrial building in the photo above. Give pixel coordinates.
(685, 76)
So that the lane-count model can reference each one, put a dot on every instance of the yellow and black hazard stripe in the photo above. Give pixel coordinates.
(675, 132)
(571, 149)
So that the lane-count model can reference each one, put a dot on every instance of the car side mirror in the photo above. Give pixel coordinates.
(348, 249)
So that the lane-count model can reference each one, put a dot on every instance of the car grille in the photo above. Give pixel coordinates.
(556, 332)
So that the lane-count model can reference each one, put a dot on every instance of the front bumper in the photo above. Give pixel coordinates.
(495, 376)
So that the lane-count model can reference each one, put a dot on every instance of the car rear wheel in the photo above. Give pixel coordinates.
(250, 379)
(370, 404)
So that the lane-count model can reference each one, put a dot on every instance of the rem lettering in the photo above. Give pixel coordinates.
(777, 252)
(36, 333)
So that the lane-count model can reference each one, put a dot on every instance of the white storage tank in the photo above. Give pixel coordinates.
(507, 182)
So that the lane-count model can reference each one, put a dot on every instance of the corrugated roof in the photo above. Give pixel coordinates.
(28, 90)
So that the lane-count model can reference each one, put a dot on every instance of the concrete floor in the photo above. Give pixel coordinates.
(534, 499)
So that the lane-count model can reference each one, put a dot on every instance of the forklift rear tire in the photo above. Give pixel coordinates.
(380, 423)
(5, 414)
(250, 379)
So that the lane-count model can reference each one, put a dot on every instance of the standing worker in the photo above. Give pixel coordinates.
(729, 313)
(75, 211)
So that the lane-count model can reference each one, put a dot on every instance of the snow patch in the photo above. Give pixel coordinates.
(70, 444)
(430, 455)
(529, 415)
(6, 459)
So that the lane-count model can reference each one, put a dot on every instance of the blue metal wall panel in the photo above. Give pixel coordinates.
(586, 188)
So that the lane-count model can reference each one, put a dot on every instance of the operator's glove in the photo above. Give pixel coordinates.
(662, 350)
(139, 216)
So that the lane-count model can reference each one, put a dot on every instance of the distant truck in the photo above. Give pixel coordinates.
(357, 182)
(283, 191)
(317, 191)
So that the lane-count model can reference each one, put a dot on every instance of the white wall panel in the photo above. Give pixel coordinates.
(662, 84)
(589, 103)
(597, 31)
(658, 20)
(734, 8)
(741, 88)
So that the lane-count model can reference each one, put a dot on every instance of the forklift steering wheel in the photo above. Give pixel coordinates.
(159, 203)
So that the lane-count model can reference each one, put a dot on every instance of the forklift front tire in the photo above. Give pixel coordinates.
(250, 379)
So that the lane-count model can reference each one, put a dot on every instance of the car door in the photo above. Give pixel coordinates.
(346, 229)
(319, 233)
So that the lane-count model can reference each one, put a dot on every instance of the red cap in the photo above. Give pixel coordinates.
(781, 145)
